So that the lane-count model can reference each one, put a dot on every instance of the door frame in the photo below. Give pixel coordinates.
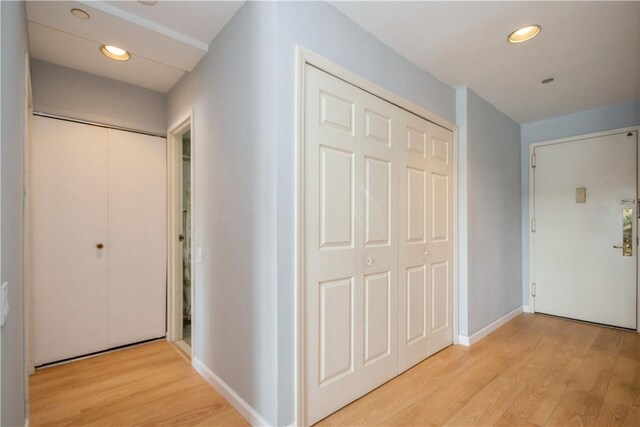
(305, 57)
(532, 147)
(174, 225)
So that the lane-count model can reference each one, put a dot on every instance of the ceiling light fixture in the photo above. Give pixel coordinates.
(114, 52)
(148, 2)
(79, 13)
(547, 80)
(525, 33)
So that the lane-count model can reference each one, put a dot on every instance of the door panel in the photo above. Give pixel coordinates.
(577, 271)
(69, 217)
(137, 237)
(440, 220)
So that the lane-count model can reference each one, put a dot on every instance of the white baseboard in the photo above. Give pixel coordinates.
(527, 309)
(26, 422)
(470, 340)
(229, 394)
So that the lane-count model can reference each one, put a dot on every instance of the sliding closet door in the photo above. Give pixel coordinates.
(414, 281)
(69, 217)
(137, 237)
(440, 236)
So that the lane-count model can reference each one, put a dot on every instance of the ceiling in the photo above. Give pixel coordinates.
(591, 49)
(165, 40)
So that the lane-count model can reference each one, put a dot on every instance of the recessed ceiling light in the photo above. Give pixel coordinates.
(547, 80)
(114, 52)
(525, 33)
(79, 13)
(148, 2)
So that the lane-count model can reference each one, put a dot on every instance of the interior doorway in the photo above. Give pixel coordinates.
(181, 236)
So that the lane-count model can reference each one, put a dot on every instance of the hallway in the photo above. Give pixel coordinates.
(152, 384)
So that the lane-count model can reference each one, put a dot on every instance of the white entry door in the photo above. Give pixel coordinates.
(585, 238)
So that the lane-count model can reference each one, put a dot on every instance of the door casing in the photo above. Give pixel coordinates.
(305, 56)
(531, 206)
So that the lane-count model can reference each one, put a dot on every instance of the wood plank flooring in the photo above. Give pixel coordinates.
(150, 385)
(535, 370)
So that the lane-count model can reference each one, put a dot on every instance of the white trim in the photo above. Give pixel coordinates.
(470, 340)
(174, 291)
(246, 410)
(26, 422)
(532, 147)
(303, 57)
(527, 309)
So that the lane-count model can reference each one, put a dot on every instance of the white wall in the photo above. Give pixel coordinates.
(590, 121)
(12, 370)
(72, 93)
(489, 200)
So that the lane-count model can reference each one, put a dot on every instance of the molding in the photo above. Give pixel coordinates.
(26, 422)
(246, 410)
(472, 339)
(527, 309)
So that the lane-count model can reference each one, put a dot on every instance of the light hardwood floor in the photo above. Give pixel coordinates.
(153, 384)
(535, 370)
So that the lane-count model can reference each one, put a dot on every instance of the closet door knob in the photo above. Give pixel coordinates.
(425, 254)
(99, 246)
(368, 261)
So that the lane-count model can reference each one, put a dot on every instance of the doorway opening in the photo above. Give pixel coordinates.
(181, 291)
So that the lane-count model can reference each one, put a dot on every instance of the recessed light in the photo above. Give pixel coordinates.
(79, 13)
(547, 80)
(525, 33)
(114, 52)
(148, 2)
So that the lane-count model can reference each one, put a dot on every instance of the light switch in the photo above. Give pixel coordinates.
(4, 302)
(581, 195)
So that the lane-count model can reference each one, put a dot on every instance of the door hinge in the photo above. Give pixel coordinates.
(533, 289)
(533, 225)
(533, 160)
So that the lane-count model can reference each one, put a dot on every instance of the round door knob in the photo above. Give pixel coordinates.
(425, 254)
(368, 261)
(99, 246)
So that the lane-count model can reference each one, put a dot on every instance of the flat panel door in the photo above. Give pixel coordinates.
(414, 309)
(440, 237)
(378, 192)
(69, 208)
(137, 237)
(584, 205)
(333, 279)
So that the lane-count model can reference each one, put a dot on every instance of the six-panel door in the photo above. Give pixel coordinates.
(368, 186)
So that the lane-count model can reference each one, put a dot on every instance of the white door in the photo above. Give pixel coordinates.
(69, 217)
(425, 302)
(584, 202)
(351, 242)
(137, 237)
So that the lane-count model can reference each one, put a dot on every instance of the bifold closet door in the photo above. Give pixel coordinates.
(69, 186)
(350, 243)
(137, 237)
(425, 301)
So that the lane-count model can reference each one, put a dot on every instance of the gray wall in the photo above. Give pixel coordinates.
(12, 369)
(72, 93)
(489, 200)
(235, 307)
(590, 121)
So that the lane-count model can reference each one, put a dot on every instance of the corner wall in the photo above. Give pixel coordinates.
(617, 116)
(489, 209)
(12, 369)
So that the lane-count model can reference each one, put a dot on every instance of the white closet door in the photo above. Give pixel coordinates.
(440, 237)
(378, 191)
(332, 264)
(414, 309)
(137, 237)
(69, 217)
